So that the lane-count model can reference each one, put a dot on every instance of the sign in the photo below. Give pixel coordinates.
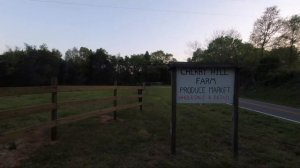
(199, 83)
(205, 85)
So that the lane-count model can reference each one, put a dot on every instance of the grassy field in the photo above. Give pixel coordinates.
(142, 139)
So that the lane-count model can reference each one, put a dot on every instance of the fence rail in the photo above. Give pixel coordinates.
(55, 105)
(94, 88)
(18, 91)
(7, 114)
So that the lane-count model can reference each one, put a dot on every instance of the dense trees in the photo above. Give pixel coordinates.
(30, 66)
(36, 66)
(275, 66)
(271, 57)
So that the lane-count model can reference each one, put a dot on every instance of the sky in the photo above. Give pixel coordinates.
(126, 27)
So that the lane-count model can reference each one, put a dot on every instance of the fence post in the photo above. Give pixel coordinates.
(140, 98)
(54, 110)
(115, 99)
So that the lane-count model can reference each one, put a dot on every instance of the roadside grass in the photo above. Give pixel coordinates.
(142, 139)
(287, 94)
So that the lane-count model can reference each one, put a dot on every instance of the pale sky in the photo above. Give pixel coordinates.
(128, 27)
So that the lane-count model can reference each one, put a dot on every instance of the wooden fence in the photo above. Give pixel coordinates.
(53, 107)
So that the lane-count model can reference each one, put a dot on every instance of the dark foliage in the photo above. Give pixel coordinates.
(36, 66)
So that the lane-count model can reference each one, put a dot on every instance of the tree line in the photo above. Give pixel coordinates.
(270, 58)
(37, 65)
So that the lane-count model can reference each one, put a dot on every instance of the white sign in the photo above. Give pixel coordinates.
(204, 85)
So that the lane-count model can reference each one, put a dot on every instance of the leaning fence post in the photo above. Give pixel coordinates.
(115, 99)
(54, 110)
(140, 98)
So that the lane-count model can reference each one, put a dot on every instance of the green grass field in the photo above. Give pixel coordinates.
(142, 139)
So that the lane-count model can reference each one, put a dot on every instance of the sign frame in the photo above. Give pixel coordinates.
(235, 115)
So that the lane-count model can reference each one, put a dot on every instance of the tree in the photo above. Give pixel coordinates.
(147, 56)
(72, 54)
(229, 33)
(84, 53)
(137, 63)
(8, 67)
(31, 66)
(224, 49)
(100, 69)
(290, 38)
(193, 46)
(75, 67)
(160, 57)
(265, 29)
(230, 50)
(122, 66)
(287, 55)
(291, 31)
(198, 56)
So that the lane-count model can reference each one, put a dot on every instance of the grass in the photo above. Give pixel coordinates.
(286, 94)
(13, 102)
(142, 139)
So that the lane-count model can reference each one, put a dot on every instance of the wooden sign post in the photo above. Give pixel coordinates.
(204, 84)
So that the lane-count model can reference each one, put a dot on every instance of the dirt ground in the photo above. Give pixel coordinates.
(25, 146)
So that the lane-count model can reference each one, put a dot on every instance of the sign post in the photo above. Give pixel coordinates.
(235, 115)
(204, 84)
(173, 120)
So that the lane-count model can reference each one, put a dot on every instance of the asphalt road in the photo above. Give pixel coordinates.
(279, 111)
